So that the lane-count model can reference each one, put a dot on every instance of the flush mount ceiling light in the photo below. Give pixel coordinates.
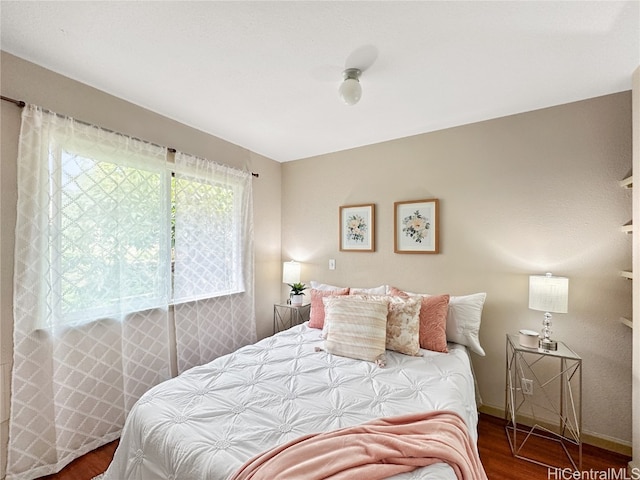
(350, 90)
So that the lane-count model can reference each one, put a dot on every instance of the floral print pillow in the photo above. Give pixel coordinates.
(403, 325)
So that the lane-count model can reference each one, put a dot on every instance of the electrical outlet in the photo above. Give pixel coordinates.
(527, 386)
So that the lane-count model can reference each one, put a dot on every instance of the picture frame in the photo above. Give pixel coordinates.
(357, 228)
(417, 226)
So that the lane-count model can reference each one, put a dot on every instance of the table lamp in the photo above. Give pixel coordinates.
(548, 294)
(291, 272)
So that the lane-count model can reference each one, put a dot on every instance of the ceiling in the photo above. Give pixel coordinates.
(264, 75)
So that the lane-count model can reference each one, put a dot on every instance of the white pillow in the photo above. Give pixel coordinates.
(463, 320)
(323, 286)
(381, 290)
(356, 328)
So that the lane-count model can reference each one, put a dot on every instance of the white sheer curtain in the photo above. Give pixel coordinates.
(91, 288)
(213, 279)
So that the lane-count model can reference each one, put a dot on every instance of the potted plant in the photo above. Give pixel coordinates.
(296, 293)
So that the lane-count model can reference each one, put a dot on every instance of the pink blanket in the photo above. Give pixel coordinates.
(374, 450)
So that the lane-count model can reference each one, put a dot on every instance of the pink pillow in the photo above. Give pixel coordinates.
(433, 321)
(316, 317)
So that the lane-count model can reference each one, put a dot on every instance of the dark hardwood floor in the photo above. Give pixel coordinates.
(87, 466)
(492, 444)
(500, 464)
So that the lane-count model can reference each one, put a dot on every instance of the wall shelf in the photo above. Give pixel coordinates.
(635, 266)
(627, 183)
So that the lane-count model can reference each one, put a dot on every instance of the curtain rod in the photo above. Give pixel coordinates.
(22, 104)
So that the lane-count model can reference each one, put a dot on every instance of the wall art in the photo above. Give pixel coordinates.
(357, 228)
(416, 226)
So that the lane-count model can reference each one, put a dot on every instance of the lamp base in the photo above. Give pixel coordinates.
(547, 344)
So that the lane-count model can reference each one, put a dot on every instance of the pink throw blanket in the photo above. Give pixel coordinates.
(371, 451)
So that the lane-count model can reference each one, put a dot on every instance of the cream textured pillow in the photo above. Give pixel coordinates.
(357, 328)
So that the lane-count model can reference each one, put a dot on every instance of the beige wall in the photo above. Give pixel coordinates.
(25, 81)
(519, 195)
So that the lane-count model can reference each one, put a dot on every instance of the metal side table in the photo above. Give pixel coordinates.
(543, 400)
(286, 315)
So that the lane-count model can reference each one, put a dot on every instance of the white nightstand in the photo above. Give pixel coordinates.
(543, 399)
(286, 315)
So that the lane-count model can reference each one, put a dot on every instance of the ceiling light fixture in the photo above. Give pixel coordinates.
(350, 90)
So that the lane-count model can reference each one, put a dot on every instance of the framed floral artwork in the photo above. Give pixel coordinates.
(417, 226)
(357, 228)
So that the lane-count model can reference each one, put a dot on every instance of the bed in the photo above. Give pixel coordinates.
(206, 423)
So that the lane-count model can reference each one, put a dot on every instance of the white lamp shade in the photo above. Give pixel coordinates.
(291, 272)
(350, 91)
(548, 293)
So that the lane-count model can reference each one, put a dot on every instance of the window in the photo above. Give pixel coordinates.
(117, 222)
(208, 238)
(108, 231)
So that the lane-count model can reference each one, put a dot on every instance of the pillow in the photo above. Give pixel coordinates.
(381, 290)
(433, 323)
(323, 286)
(316, 316)
(357, 328)
(403, 323)
(433, 320)
(463, 320)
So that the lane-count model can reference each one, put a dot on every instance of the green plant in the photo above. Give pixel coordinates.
(297, 288)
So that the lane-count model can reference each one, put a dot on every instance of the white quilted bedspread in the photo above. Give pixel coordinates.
(207, 422)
